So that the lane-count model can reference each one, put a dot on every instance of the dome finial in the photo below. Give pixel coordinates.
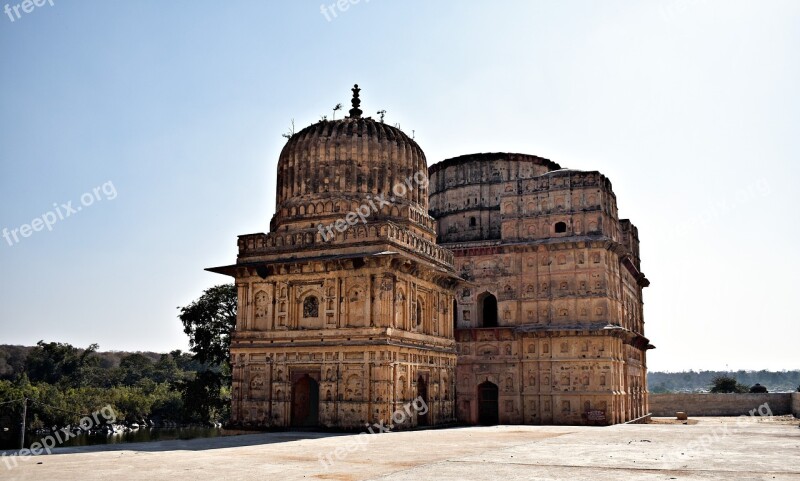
(355, 112)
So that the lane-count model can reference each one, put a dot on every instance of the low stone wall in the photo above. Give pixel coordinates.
(722, 404)
(796, 404)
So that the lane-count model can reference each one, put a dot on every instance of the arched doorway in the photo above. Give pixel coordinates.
(488, 413)
(422, 393)
(487, 308)
(305, 402)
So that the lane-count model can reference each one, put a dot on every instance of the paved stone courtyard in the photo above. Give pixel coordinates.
(714, 448)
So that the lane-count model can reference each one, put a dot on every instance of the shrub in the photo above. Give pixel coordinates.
(727, 384)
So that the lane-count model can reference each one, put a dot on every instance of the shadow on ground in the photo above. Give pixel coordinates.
(235, 440)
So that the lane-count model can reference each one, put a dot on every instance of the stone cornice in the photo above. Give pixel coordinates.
(461, 249)
(556, 331)
(391, 261)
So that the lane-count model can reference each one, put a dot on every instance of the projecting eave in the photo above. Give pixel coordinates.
(633, 338)
(232, 269)
(260, 267)
(636, 273)
(224, 270)
(575, 326)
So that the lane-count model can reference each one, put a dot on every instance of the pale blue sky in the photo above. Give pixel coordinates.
(690, 108)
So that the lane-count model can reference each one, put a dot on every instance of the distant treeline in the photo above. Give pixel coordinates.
(62, 383)
(12, 358)
(701, 381)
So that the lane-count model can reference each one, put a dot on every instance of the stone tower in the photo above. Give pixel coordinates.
(551, 331)
(344, 307)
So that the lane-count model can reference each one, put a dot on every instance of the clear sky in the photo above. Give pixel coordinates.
(168, 117)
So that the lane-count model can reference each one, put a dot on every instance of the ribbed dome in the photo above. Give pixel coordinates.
(348, 160)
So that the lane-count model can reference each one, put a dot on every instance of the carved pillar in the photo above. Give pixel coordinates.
(340, 301)
(242, 313)
(368, 319)
(269, 391)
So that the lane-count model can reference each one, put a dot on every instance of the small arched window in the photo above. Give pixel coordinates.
(560, 227)
(487, 305)
(472, 222)
(310, 307)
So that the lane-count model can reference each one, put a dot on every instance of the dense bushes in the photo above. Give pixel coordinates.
(727, 384)
(63, 383)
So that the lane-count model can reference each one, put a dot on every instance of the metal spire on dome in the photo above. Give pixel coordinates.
(355, 112)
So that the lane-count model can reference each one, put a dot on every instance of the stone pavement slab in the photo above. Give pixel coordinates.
(714, 448)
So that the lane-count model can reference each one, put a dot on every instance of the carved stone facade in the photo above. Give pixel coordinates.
(551, 329)
(345, 327)
(380, 338)
(529, 313)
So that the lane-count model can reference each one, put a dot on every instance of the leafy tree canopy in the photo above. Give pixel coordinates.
(727, 384)
(50, 362)
(209, 321)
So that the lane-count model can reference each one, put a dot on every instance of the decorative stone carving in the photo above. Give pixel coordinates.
(383, 291)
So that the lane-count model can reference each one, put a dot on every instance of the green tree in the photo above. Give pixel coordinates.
(209, 322)
(185, 361)
(202, 400)
(166, 370)
(659, 389)
(727, 384)
(54, 362)
(12, 361)
(135, 367)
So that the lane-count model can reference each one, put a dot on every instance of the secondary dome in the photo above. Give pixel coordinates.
(336, 163)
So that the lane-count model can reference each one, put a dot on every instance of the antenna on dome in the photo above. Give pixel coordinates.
(355, 112)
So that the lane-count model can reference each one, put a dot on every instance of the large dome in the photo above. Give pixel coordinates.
(330, 167)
